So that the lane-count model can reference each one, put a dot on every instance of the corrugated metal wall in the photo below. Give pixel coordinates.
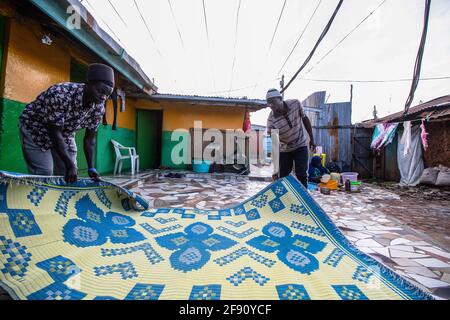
(332, 128)
(362, 154)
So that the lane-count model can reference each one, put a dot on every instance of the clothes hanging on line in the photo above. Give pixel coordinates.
(383, 135)
(406, 137)
(424, 136)
(410, 164)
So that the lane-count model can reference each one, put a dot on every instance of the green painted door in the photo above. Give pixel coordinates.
(78, 74)
(149, 135)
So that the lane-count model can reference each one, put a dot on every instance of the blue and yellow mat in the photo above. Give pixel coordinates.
(89, 241)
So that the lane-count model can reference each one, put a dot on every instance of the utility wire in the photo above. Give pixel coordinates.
(209, 44)
(147, 27)
(176, 24)
(206, 20)
(345, 37)
(324, 32)
(276, 27)
(301, 35)
(117, 12)
(373, 81)
(104, 22)
(242, 88)
(169, 67)
(418, 64)
(270, 46)
(235, 43)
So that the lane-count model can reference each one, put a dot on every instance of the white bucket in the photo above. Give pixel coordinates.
(352, 176)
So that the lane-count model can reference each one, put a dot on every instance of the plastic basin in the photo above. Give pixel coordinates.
(352, 176)
(201, 166)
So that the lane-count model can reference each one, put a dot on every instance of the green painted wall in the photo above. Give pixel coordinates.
(11, 158)
(104, 155)
(167, 147)
(78, 74)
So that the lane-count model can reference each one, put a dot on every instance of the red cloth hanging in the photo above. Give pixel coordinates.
(247, 125)
(424, 136)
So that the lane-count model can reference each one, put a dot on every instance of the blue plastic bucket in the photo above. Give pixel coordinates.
(201, 166)
(313, 186)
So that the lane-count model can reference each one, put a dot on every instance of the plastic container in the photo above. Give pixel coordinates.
(355, 186)
(323, 156)
(325, 178)
(201, 166)
(352, 176)
(335, 176)
(312, 186)
(332, 185)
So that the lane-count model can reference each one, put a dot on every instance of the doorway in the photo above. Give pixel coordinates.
(149, 138)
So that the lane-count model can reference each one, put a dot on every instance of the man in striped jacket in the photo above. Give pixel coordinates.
(291, 122)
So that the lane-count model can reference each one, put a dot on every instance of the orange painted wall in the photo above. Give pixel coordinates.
(125, 119)
(182, 115)
(31, 67)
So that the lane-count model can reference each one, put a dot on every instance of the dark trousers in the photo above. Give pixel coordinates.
(300, 158)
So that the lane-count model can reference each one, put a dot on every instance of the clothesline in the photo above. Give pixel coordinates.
(384, 134)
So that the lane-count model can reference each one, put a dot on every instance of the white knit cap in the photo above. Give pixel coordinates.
(273, 93)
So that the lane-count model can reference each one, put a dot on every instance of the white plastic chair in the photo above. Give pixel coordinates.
(120, 157)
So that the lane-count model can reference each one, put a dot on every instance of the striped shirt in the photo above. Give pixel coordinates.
(291, 130)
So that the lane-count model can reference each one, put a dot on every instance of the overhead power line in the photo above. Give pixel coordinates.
(270, 46)
(176, 24)
(324, 32)
(418, 64)
(276, 27)
(241, 88)
(117, 12)
(301, 35)
(345, 37)
(206, 20)
(147, 27)
(209, 45)
(235, 43)
(373, 81)
(104, 22)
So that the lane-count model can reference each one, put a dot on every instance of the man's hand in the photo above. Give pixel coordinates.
(93, 174)
(71, 174)
(312, 146)
(308, 128)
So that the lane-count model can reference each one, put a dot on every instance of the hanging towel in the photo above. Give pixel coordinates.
(383, 134)
(406, 137)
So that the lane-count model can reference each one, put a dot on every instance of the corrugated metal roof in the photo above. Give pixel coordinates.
(251, 104)
(435, 108)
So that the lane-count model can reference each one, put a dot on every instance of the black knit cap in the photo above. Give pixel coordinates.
(100, 72)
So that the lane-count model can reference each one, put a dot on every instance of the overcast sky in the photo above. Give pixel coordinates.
(184, 58)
